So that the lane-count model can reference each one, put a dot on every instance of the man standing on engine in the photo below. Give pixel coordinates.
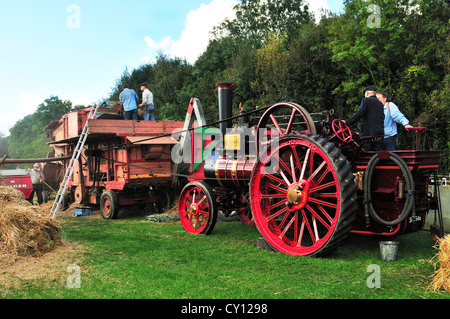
(371, 114)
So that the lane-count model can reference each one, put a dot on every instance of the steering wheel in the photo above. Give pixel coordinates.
(342, 131)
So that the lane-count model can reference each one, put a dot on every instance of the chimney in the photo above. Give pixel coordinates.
(225, 105)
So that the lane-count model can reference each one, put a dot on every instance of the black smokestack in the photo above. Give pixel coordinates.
(225, 105)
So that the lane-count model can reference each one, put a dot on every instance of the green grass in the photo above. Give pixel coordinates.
(133, 258)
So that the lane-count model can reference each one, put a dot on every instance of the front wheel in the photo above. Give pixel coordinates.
(197, 208)
(303, 196)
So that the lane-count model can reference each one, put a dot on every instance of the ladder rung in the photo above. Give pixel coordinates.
(75, 156)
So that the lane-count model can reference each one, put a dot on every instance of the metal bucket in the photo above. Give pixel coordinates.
(389, 250)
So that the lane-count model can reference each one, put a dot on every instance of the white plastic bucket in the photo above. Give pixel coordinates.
(389, 250)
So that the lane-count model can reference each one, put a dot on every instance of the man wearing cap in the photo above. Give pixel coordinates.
(37, 178)
(147, 103)
(371, 114)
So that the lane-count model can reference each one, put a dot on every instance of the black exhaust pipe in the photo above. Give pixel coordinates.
(225, 105)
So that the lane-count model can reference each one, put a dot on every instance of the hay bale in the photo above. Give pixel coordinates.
(441, 277)
(25, 230)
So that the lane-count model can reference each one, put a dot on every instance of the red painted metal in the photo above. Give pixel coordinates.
(196, 209)
(19, 180)
(296, 205)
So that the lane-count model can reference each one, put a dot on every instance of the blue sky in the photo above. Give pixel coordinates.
(77, 49)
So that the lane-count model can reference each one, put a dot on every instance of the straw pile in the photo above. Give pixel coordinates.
(441, 278)
(25, 230)
(170, 215)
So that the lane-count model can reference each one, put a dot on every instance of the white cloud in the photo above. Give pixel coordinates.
(199, 23)
(317, 7)
(86, 101)
(195, 36)
(28, 103)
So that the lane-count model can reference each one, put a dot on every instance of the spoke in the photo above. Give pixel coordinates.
(317, 171)
(200, 201)
(302, 229)
(304, 164)
(281, 202)
(320, 219)
(283, 220)
(318, 188)
(291, 120)
(272, 196)
(287, 227)
(316, 233)
(283, 164)
(308, 226)
(323, 176)
(274, 121)
(278, 188)
(284, 176)
(334, 195)
(296, 226)
(204, 213)
(297, 160)
(293, 168)
(324, 212)
(277, 213)
(276, 179)
(321, 202)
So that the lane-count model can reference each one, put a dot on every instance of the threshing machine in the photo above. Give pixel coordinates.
(122, 162)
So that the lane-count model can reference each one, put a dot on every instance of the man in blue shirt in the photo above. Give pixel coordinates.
(392, 116)
(128, 99)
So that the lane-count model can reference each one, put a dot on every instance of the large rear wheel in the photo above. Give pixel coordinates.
(303, 196)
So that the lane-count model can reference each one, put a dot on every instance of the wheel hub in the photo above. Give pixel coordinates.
(297, 195)
(193, 209)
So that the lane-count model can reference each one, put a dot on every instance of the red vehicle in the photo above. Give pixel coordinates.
(18, 179)
(306, 184)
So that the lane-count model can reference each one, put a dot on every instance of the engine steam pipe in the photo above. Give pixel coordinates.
(225, 106)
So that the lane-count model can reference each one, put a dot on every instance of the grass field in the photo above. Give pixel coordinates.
(132, 258)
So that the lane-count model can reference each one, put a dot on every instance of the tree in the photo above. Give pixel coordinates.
(27, 137)
(257, 20)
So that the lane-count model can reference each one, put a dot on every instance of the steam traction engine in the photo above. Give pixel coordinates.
(305, 184)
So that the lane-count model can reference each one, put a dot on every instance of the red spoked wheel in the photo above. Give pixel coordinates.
(197, 208)
(246, 217)
(342, 131)
(303, 196)
(283, 119)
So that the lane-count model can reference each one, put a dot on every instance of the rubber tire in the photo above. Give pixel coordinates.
(110, 196)
(348, 196)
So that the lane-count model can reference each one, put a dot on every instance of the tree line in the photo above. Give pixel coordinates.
(276, 51)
